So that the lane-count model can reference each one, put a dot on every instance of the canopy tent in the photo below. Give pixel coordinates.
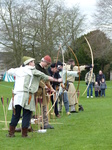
(8, 78)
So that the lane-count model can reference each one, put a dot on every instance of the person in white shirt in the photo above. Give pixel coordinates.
(64, 87)
(26, 84)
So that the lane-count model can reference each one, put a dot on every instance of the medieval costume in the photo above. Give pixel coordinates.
(26, 84)
(72, 97)
(65, 74)
(46, 60)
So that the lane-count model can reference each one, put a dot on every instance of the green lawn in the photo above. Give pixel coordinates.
(87, 130)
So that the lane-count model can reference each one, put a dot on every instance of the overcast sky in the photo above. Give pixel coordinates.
(86, 7)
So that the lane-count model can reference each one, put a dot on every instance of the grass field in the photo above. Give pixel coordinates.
(87, 130)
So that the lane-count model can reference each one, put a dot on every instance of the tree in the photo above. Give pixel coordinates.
(103, 17)
(43, 23)
(71, 22)
(36, 28)
(12, 30)
(101, 47)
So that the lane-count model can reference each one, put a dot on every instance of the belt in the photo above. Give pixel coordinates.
(70, 81)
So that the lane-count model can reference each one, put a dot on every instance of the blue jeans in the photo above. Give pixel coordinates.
(102, 92)
(90, 87)
(64, 97)
(96, 93)
(55, 106)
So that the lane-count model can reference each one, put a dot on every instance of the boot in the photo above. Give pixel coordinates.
(30, 129)
(11, 131)
(45, 119)
(24, 132)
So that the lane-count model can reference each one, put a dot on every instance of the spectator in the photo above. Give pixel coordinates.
(91, 84)
(103, 86)
(97, 88)
(99, 78)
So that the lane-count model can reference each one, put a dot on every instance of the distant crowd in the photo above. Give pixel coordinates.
(97, 83)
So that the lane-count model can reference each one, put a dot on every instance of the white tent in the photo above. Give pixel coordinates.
(8, 78)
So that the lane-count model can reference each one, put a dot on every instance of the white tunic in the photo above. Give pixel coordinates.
(26, 83)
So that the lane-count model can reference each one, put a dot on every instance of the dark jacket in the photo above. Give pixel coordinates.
(55, 75)
(99, 78)
(103, 85)
(38, 67)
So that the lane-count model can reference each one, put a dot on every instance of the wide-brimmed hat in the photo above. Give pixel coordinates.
(27, 59)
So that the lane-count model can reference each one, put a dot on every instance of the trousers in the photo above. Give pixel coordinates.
(90, 87)
(25, 117)
(63, 96)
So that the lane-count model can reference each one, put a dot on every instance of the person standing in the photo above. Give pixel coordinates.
(64, 87)
(91, 84)
(103, 86)
(53, 72)
(73, 99)
(96, 88)
(26, 84)
(99, 79)
(42, 66)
